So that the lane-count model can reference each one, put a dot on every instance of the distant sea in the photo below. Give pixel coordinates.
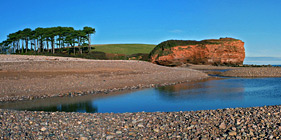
(274, 61)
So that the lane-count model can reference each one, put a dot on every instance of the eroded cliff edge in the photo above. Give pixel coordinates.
(223, 51)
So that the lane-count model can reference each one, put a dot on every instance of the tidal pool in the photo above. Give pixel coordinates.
(203, 95)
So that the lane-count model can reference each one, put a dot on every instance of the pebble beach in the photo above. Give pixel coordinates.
(239, 123)
(230, 123)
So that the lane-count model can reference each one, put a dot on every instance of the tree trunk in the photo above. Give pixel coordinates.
(74, 49)
(41, 46)
(59, 44)
(34, 42)
(47, 46)
(18, 47)
(26, 45)
(53, 47)
(79, 45)
(89, 41)
(22, 46)
(31, 48)
(14, 47)
(38, 47)
(73, 46)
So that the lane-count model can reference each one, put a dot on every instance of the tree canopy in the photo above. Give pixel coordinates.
(47, 39)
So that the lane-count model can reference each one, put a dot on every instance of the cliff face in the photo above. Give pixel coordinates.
(223, 51)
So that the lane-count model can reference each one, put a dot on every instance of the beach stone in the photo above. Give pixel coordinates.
(109, 137)
(232, 133)
(132, 134)
(83, 138)
(225, 135)
(17, 127)
(43, 129)
(251, 133)
(140, 125)
(134, 121)
(222, 125)
(156, 130)
(118, 132)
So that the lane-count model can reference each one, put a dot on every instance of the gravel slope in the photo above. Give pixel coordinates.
(30, 77)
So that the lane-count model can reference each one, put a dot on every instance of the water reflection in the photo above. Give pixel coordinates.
(207, 89)
(76, 107)
(66, 104)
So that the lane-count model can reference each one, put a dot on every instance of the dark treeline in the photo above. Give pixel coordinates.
(48, 39)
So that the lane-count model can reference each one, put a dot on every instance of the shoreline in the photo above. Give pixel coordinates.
(37, 77)
(97, 92)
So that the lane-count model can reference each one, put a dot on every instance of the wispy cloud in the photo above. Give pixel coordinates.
(176, 31)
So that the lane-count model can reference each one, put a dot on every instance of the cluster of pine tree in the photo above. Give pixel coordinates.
(48, 39)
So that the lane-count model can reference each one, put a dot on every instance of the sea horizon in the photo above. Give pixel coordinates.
(263, 60)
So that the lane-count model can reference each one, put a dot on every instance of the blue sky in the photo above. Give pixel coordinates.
(256, 22)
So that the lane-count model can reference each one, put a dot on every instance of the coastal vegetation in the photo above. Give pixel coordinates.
(49, 40)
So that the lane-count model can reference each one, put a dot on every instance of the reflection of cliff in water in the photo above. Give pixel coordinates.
(76, 107)
(184, 86)
(208, 89)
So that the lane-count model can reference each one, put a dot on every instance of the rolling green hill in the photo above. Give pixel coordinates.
(103, 52)
(126, 49)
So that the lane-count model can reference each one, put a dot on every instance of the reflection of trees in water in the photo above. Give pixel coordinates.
(76, 107)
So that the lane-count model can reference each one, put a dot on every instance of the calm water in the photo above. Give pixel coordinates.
(204, 95)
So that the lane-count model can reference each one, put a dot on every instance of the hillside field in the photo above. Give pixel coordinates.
(126, 49)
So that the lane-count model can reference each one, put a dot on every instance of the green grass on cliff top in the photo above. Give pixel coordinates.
(127, 49)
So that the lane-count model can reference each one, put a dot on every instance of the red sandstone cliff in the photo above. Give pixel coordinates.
(223, 51)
